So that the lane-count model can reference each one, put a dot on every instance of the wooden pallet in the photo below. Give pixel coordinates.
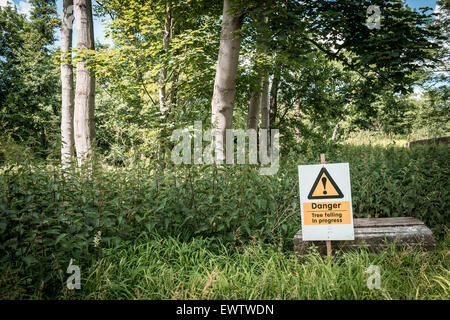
(376, 234)
(445, 140)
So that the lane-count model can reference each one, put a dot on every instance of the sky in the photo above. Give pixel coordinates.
(23, 6)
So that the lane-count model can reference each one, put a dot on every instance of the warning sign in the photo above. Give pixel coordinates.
(326, 202)
(324, 187)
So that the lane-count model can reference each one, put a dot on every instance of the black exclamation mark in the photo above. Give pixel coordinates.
(324, 182)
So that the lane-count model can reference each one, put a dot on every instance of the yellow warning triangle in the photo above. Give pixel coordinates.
(324, 187)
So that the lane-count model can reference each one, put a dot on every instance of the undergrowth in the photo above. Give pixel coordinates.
(49, 216)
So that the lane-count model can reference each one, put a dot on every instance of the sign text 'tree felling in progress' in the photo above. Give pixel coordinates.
(326, 202)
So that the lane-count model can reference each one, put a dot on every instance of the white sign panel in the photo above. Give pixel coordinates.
(326, 202)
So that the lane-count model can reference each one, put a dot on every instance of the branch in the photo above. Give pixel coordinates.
(146, 91)
(343, 60)
(286, 111)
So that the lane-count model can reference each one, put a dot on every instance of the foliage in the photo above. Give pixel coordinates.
(29, 87)
(48, 216)
(327, 59)
(433, 114)
(12, 152)
(129, 72)
(156, 267)
(390, 53)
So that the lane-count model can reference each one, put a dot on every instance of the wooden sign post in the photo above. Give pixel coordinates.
(328, 242)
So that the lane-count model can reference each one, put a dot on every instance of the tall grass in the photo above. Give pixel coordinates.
(167, 268)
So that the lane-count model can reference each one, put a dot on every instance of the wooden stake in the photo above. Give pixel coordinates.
(329, 252)
(328, 242)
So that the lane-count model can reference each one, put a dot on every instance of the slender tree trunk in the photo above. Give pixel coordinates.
(273, 108)
(67, 94)
(163, 101)
(273, 100)
(298, 118)
(265, 118)
(174, 88)
(336, 127)
(166, 45)
(254, 109)
(265, 113)
(226, 73)
(256, 99)
(335, 131)
(85, 86)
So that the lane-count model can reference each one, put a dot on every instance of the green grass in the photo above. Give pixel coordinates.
(167, 268)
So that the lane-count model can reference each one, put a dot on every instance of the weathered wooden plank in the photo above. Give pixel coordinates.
(408, 233)
(386, 222)
(445, 140)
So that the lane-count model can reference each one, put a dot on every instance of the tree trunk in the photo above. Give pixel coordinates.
(67, 94)
(336, 127)
(298, 132)
(163, 72)
(253, 109)
(85, 86)
(335, 131)
(256, 100)
(265, 113)
(273, 108)
(163, 103)
(225, 80)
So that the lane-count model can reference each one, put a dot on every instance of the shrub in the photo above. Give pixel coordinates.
(49, 216)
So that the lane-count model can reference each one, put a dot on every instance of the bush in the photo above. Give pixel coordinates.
(48, 216)
(11, 151)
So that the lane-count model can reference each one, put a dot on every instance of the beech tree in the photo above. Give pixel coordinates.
(256, 94)
(67, 94)
(165, 65)
(384, 59)
(84, 129)
(226, 73)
